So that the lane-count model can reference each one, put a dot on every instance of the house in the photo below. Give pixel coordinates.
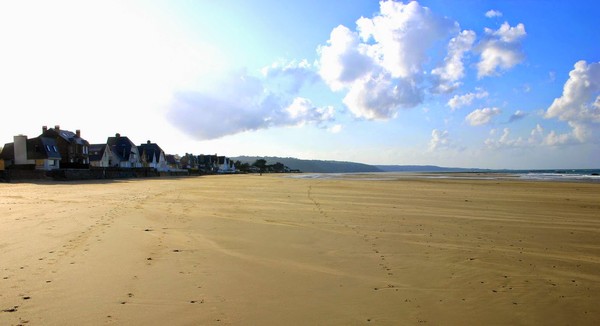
(73, 149)
(153, 156)
(189, 161)
(173, 161)
(124, 153)
(40, 153)
(225, 165)
(208, 163)
(100, 155)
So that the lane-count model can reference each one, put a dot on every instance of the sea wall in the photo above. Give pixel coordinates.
(16, 175)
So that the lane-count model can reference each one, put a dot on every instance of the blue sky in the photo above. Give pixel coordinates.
(490, 84)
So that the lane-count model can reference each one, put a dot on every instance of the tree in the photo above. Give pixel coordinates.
(278, 167)
(261, 164)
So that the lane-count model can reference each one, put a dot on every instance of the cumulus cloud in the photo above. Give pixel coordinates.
(402, 34)
(302, 111)
(239, 103)
(503, 141)
(579, 104)
(344, 59)
(537, 137)
(482, 116)
(501, 49)
(493, 13)
(439, 139)
(380, 65)
(380, 96)
(453, 69)
(458, 101)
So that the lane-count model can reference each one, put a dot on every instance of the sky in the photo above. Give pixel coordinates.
(484, 84)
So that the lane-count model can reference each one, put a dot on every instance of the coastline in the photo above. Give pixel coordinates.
(249, 249)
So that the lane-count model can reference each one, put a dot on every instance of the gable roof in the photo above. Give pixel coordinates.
(8, 152)
(42, 148)
(152, 150)
(121, 146)
(67, 135)
(97, 151)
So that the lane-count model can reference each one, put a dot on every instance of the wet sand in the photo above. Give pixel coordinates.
(272, 250)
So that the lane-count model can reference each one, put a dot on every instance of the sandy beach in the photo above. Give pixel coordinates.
(274, 250)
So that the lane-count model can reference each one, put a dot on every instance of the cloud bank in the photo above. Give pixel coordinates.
(240, 103)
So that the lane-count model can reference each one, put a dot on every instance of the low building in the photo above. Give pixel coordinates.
(40, 153)
(208, 163)
(173, 162)
(124, 153)
(153, 156)
(73, 149)
(100, 155)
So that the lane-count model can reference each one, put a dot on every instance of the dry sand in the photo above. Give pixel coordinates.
(271, 250)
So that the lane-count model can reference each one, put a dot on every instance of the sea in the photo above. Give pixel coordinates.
(572, 175)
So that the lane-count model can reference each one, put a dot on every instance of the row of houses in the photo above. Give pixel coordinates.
(56, 148)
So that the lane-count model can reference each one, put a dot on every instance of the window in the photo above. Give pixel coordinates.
(55, 149)
(48, 148)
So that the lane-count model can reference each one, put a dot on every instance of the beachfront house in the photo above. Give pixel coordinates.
(73, 149)
(189, 161)
(225, 165)
(208, 163)
(173, 162)
(153, 156)
(123, 152)
(100, 155)
(40, 153)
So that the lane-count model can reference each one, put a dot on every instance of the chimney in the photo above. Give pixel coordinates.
(148, 142)
(117, 135)
(57, 128)
(78, 133)
(44, 128)
(20, 149)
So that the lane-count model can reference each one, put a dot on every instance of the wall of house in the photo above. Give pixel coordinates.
(1, 164)
(47, 165)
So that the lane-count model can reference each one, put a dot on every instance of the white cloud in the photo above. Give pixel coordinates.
(458, 101)
(381, 65)
(493, 13)
(380, 96)
(239, 103)
(482, 116)
(402, 34)
(501, 50)
(344, 59)
(302, 111)
(579, 103)
(439, 139)
(581, 93)
(503, 141)
(453, 68)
